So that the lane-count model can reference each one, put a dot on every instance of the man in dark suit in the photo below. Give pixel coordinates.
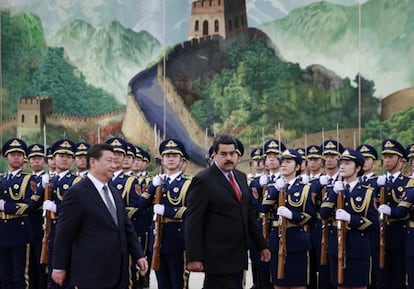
(219, 220)
(94, 236)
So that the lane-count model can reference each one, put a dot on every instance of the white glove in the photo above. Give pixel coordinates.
(381, 180)
(384, 209)
(280, 184)
(323, 180)
(342, 215)
(2, 205)
(45, 180)
(339, 187)
(284, 212)
(156, 181)
(305, 179)
(263, 180)
(49, 206)
(159, 209)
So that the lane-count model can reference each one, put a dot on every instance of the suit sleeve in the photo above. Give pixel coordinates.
(197, 202)
(67, 228)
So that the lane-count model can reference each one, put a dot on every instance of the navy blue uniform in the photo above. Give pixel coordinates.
(260, 270)
(128, 187)
(406, 208)
(37, 271)
(21, 198)
(371, 181)
(359, 203)
(171, 274)
(299, 201)
(393, 275)
(143, 227)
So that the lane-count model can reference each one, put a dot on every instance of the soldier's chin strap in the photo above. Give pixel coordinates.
(396, 164)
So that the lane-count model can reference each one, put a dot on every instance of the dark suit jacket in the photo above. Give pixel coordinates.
(217, 226)
(88, 243)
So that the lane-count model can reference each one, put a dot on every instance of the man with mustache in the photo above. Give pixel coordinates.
(219, 220)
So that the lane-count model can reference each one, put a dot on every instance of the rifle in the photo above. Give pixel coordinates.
(341, 233)
(155, 261)
(382, 231)
(282, 239)
(324, 240)
(47, 224)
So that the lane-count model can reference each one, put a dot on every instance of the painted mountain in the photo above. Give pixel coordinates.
(328, 34)
(108, 56)
(305, 31)
(148, 15)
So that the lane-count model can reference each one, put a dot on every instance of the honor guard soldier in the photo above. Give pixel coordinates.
(256, 164)
(315, 166)
(272, 150)
(139, 166)
(129, 158)
(63, 152)
(315, 161)
(143, 221)
(169, 191)
(405, 208)
(349, 206)
(395, 231)
(80, 158)
(369, 179)
(18, 199)
(288, 239)
(123, 183)
(331, 150)
(260, 270)
(36, 156)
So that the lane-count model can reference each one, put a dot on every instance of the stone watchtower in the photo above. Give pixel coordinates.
(226, 18)
(31, 115)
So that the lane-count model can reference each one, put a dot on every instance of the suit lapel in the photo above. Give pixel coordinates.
(226, 184)
(93, 192)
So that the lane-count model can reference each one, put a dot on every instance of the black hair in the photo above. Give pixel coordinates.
(224, 139)
(95, 151)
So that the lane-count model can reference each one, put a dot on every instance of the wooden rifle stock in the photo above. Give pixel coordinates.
(382, 231)
(155, 261)
(324, 239)
(281, 258)
(265, 219)
(47, 223)
(341, 235)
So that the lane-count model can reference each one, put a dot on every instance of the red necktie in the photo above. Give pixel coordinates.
(236, 188)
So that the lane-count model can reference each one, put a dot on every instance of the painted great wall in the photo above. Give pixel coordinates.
(159, 97)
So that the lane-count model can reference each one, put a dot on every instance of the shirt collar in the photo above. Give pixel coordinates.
(97, 183)
(173, 176)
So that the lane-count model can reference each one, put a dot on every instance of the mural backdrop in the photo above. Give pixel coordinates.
(307, 64)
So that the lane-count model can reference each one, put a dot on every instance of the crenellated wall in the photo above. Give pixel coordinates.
(194, 129)
(135, 126)
(82, 123)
